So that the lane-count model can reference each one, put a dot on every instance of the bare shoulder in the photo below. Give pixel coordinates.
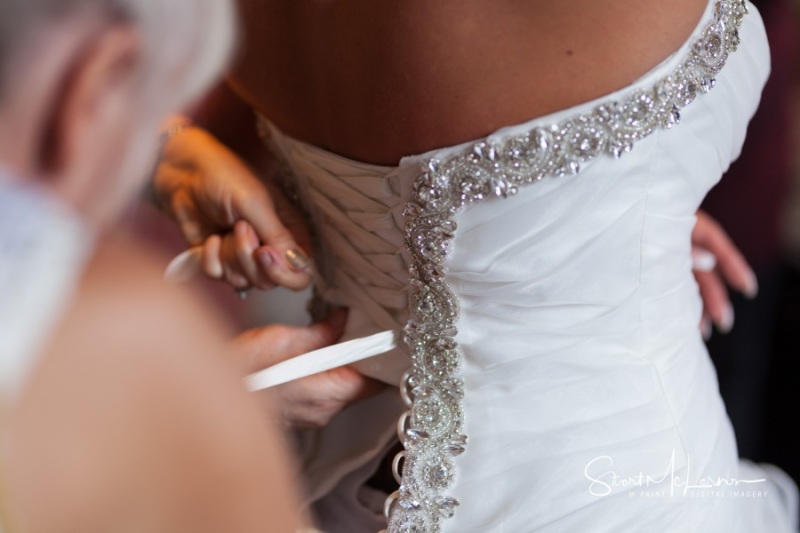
(134, 412)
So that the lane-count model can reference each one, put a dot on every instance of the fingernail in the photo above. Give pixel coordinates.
(726, 321)
(265, 259)
(297, 260)
(704, 261)
(751, 287)
(705, 329)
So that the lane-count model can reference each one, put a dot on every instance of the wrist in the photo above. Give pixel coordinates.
(154, 191)
(174, 126)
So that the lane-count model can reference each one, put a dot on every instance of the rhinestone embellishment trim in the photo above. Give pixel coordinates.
(432, 430)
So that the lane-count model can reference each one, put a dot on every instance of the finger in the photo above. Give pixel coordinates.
(188, 218)
(312, 402)
(212, 265)
(734, 267)
(354, 385)
(288, 265)
(715, 299)
(246, 242)
(263, 347)
(232, 271)
(306, 339)
(291, 217)
(291, 269)
(706, 328)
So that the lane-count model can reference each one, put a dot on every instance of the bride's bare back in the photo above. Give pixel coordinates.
(378, 79)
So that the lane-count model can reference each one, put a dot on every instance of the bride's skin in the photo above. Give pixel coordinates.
(375, 80)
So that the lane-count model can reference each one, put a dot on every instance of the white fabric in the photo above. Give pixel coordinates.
(323, 359)
(43, 246)
(579, 326)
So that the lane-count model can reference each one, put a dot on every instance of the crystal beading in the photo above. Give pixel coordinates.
(432, 431)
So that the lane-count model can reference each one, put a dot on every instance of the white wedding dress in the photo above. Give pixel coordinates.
(548, 315)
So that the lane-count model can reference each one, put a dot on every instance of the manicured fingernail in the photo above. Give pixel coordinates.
(706, 329)
(703, 261)
(751, 287)
(297, 260)
(265, 259)
(726, 321)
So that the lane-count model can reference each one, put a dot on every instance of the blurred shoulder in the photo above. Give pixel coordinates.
(124, 279)
(134, 409)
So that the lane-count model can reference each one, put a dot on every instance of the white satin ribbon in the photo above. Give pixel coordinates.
(186, 265)
(323, 359)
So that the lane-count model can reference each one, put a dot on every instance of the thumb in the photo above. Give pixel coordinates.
(186, 214)
(263, 347)
(318, 335)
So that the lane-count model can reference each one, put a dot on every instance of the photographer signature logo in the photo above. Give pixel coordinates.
(604, 480)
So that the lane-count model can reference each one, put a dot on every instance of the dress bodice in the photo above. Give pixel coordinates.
(356, 211)
(542, 278)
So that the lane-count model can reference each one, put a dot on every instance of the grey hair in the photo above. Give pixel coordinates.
(186, 43)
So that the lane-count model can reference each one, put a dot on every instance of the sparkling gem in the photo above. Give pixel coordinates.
(461, 440)
(450, 331)
(454, 387)
(446, 343)
(412, 328)
(449, 226)
(434, 271)
(412, 210)
(409, 504)
(424, 391)
(442, 364)
(713, 45)
(411, 527)
(440, 475)
(447, 506)
(417, 434)
(453, 449)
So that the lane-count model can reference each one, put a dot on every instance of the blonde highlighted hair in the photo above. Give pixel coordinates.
(186, 43)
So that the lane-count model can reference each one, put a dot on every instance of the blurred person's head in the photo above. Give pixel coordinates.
(84, 85)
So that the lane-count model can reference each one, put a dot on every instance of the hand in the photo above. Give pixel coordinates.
(313, 401)
(247, 228)
(717, 262)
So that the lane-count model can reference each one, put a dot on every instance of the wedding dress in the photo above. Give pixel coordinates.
(537, 291)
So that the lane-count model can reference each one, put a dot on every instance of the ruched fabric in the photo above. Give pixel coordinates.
(590, 400)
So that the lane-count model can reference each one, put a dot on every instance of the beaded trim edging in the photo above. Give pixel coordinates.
(432, 431)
